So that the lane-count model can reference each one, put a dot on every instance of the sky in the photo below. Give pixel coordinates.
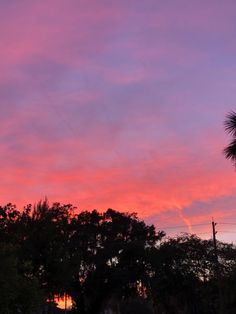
(120, 104)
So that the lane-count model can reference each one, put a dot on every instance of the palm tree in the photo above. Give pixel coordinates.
(230, 128)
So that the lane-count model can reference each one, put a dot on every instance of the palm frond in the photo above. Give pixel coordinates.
(230, 123)
(230, 152)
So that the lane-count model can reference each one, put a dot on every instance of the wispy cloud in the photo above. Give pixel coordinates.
(118, 104)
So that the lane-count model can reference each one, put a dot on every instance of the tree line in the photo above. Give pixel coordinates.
(108, 259)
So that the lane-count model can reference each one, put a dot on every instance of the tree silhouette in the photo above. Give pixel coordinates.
(107, 260)
(110, 250)
(183, 275)
(46, 243)
(230, 128)
(19, 289)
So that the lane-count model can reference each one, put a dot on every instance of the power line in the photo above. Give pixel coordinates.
(183, 226)
(173, 229)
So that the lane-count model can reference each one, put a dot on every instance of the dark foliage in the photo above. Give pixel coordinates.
(108, 260)
(230, 128)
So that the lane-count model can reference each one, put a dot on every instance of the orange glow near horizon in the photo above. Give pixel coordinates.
(64, 303)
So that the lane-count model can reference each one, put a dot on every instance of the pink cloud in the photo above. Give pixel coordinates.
(117, 104)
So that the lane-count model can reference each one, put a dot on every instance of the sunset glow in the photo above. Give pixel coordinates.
(120, 104)
(64, 304)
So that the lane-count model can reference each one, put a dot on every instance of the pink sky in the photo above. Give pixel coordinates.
(119, 104)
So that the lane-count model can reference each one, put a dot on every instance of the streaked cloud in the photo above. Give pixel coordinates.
(118, 104)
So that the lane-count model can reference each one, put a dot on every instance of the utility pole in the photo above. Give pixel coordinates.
(217, 268)
(214, 232)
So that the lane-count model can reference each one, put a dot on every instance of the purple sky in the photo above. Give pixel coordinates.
(119, 104)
